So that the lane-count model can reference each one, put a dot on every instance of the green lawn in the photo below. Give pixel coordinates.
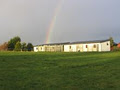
(59, 71)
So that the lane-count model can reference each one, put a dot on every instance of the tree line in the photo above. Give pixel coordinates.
(15, 44)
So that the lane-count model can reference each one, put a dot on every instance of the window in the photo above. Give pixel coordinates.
(107, 44)
(94, 46)
(86, 46)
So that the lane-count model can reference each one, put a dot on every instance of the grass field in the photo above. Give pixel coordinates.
(59, 71)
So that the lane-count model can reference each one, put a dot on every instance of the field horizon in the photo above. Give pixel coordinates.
(59, 71)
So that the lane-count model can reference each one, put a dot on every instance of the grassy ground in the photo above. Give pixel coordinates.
(59, 71)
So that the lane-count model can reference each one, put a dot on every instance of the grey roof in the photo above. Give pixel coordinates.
(95, 41)
(57, 43)
(79, 42)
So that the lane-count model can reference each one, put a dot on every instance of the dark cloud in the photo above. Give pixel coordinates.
(77, 20)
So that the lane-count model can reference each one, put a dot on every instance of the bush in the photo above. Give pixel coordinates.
(12, 42)
(29, 47)
(18, 46)
(4, 47)
(115, 48)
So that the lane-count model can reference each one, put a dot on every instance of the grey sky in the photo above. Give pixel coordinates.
(78, 20)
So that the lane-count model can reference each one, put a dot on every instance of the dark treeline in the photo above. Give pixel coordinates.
(15, 44)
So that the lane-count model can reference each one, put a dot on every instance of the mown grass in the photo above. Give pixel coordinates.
(59, 71)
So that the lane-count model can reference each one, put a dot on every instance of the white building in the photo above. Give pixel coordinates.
(88, 46)
(84, 46)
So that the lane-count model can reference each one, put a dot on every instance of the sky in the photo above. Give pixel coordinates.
(77, 20)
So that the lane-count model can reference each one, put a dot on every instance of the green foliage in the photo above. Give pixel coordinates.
(14, 45)
(18, 46)
(24, 46)
(29, 47)
(111, 42)
(59, 71)
(12, 42)
(10, 45)
(115, 48)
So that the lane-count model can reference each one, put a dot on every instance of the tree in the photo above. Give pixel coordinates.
(12, 42)
(111, 42)
(18, 46)
(29, 47)
(4, 47)
(23, 46)
(10, 45)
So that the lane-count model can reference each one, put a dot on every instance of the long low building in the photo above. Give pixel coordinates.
(83, 46)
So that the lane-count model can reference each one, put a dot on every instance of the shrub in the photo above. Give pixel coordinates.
(18, 46)
(115, 48)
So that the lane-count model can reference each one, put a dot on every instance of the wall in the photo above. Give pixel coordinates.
(36, 49)
(87, 47)
(79, 47)
(49, 48)
(91, 47)
(70, 48)
(105, 46)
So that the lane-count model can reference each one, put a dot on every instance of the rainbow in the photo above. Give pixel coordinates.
(53, 21)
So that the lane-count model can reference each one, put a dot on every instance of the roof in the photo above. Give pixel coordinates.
(57, 43)
(95, 41)
(79, 42)
(54, 44)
